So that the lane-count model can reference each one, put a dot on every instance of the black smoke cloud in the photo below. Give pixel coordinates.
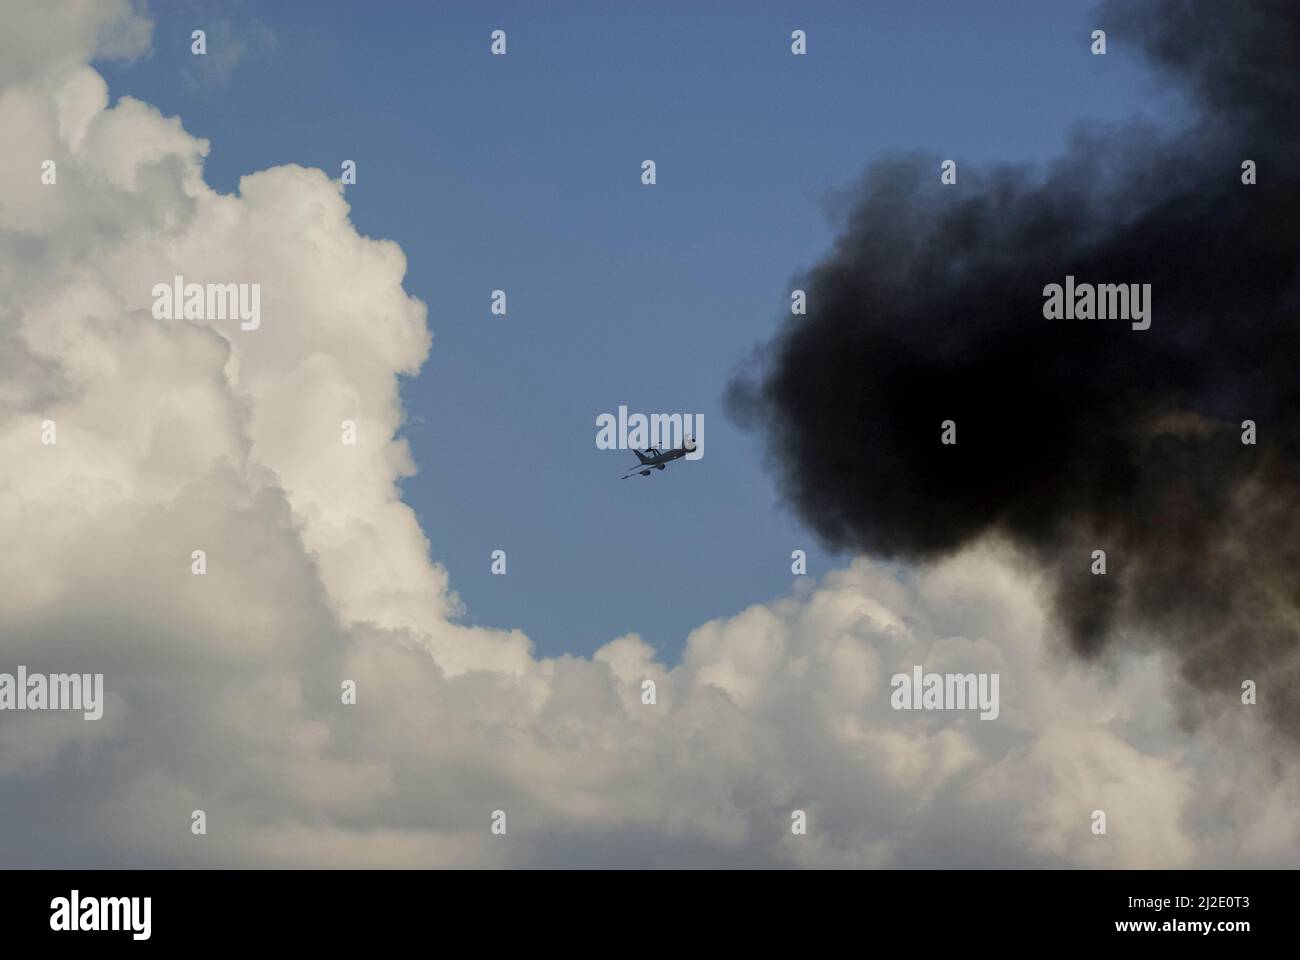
(1075, 435)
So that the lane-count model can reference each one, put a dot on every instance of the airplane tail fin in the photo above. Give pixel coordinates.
(641, 456)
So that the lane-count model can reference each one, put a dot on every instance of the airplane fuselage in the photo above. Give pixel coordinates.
(657, 461)
(668, 456)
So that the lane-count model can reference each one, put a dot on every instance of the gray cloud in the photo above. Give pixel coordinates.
(1073, 434)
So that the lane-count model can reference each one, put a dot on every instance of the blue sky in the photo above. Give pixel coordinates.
(523, 173)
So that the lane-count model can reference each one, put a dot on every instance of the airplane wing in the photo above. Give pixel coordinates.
(644, 468)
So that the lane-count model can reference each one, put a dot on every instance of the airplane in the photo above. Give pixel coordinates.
(652, 458)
